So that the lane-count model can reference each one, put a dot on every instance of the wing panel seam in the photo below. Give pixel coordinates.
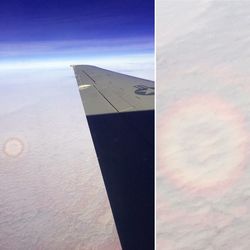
(100, 91)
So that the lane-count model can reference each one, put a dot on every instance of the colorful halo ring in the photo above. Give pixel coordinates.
(13, 147)
(201, 143)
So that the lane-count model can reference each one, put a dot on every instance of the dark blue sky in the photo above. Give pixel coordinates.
(39, 20)
(39, 33)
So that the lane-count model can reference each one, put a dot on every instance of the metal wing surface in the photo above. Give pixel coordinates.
(103, 91)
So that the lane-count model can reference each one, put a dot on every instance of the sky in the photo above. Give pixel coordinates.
(56, 33)
(47, 157)
(45, 141)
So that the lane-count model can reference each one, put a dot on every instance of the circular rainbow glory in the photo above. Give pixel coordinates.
(202, 143)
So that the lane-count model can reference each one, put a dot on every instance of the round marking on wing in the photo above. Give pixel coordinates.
(144, 90)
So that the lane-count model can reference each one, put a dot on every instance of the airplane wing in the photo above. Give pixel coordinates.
(104, 91)
(120, 114)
